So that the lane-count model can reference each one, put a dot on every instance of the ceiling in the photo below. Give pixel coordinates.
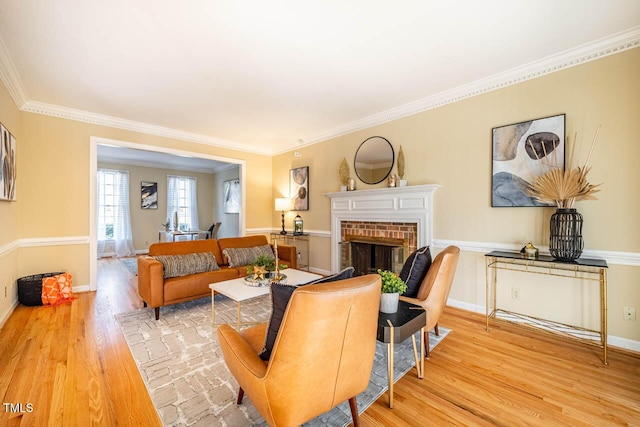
(272, 76)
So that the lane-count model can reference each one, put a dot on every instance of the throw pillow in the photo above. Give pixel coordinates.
(415, 269)
(57, 289)
(239, 257)
(280, 296)
(183, 265)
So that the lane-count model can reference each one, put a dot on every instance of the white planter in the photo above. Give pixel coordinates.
(389, 302)
(402, 183)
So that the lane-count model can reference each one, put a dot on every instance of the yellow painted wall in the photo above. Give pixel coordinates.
(10, 117)
(451, 146)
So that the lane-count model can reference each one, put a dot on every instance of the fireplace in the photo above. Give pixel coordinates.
(368, 254)
(400, 217)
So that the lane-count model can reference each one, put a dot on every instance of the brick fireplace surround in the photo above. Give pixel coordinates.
(398, 213)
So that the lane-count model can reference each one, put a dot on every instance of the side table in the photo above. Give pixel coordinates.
(300, 241)
(397, 327)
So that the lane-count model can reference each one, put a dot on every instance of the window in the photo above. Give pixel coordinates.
(182, 204)
(114, 222)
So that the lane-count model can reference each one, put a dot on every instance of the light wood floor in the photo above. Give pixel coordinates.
(73, 366)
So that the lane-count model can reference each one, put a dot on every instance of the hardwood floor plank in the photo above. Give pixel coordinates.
(73, 364)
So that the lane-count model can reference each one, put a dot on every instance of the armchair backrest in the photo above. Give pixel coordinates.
(437, 283)
(324, 352)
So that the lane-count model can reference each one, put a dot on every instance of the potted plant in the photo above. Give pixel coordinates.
(392, 287)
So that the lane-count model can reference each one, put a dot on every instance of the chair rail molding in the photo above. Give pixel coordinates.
(412, 204)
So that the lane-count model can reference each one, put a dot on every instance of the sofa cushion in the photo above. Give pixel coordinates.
(280, 295)
(183, 265)
(415, 269)
(246, 256)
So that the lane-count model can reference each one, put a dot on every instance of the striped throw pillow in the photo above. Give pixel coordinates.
(239, 257)
(183, 265)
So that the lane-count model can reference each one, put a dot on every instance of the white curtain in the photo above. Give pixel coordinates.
(182, 203)
(114, 218)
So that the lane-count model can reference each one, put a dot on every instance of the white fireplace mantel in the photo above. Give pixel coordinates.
(413, 204)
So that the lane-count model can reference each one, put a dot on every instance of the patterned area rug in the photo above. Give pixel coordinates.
(130, 264)
(181, 363)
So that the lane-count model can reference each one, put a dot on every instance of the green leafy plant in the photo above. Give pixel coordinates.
(391, 282)
(265, 261)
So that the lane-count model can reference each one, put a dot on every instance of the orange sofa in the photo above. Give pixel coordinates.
(157, 291)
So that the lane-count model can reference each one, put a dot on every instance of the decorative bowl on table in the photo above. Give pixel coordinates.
(268, 278)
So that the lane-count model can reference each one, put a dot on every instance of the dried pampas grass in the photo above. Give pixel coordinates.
(564, 188)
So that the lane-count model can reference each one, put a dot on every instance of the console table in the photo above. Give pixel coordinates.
(582, 268)
(300, 241)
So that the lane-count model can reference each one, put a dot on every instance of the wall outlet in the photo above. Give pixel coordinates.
(630, 314)
(515, 293)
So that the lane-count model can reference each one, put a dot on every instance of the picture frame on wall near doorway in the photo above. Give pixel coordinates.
(299, 188)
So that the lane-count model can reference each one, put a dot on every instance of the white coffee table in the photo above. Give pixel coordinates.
(239, 291)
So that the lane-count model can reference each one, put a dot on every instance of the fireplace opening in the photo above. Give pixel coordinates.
(368, 254)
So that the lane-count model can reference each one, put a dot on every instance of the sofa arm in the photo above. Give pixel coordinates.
(150, 281)
(287, 254)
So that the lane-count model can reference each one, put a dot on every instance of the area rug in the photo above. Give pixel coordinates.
(182, 365)
(130, 264)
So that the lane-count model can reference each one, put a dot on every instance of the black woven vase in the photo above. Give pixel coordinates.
(565, 242)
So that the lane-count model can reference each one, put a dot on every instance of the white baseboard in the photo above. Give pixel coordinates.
(612, 341)
(81, 288)
(7, 313)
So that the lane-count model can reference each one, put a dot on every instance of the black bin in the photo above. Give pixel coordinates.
(30, 288)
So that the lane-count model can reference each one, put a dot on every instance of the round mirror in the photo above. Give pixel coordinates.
(374, 160)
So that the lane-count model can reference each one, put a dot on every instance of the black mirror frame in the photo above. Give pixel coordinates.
(355, 158)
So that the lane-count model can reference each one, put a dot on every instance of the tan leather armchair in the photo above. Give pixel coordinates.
(434, 289)
(323, 354)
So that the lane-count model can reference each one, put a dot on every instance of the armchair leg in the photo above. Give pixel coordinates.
(240, 396)
(144, 303)
(426, 344)
(353, 405)
(436, 329)
(157, 310)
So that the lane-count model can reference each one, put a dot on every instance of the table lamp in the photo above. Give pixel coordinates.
(283, 204)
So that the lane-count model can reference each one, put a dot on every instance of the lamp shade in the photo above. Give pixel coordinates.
(283, 204)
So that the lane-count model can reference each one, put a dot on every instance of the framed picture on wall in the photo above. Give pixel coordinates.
(231, 190)
(7, 165)
(149, 195)
(299, 188)
(522, 152)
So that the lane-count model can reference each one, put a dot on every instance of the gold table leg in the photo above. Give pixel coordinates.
(390, 365)
(603, 313)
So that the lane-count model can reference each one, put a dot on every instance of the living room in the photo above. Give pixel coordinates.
(446, 140)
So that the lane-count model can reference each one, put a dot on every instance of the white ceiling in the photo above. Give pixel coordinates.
(267, 76)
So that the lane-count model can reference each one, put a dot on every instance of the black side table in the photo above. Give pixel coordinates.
(397, 327)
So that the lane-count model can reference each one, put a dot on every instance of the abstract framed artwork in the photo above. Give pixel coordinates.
(7, 165)
(231, 190)
(521, 152)
(299, 188)
(149, 195)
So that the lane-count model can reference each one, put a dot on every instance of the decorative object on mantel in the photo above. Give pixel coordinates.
(401, 182)
(391, 182)
(351, 184)
(529, 251)
(564, 188)
(283, 204)
(343, 174)
(392, 287)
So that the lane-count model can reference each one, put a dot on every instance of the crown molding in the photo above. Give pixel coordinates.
(115, 122)
(598, 49)
(9, 75)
